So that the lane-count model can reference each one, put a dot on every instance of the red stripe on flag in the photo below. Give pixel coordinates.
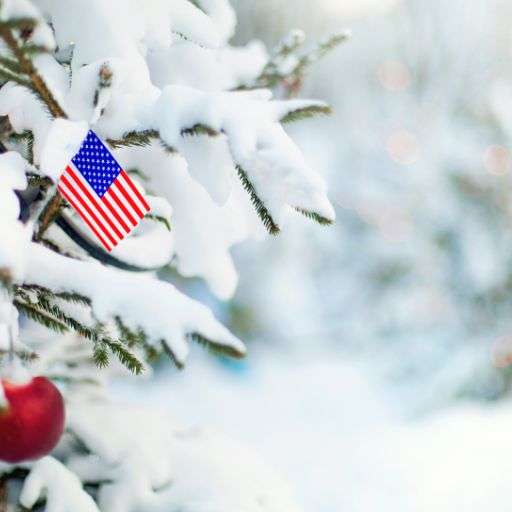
(122, 206)
(88, 209)
(128, 197)
(134, 189)
(94, 202)
(118, 217)
(85, 219)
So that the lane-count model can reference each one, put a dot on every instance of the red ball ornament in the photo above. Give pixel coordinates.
(31, 420)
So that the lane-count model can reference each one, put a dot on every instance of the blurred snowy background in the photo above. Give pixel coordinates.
(375, 377)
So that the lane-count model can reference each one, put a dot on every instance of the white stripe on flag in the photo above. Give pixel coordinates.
(87, 206)
(110, 217)
(69, 195)
(129, 185)
(119, 203)
(123, 195)
(106, 215)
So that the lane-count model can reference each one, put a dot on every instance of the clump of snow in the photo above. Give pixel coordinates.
(144, 64)
(63, 491)
(12, 177)
(198, 251)
(173, 468)
(151, 244)
(13, 234)
(25, 113)
(222, 15)
(16, 9)
(16, 372)
(62, 143)
(142, 301)
(169, 67)
(257, 141)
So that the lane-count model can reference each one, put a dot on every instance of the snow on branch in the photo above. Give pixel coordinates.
(62, 490)
(156, 307)
(273, 168)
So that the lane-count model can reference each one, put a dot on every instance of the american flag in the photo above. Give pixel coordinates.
(102, 193)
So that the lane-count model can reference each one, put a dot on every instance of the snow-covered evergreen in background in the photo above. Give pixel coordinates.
(191, 118)
(417, 279)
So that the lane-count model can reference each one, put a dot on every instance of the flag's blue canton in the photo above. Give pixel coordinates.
(96, 164)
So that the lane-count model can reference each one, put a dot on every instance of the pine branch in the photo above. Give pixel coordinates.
(9, 76)
(170, 354)
(26, 65)
(272, 74)
(35, 314)
(31, 49)
(72, 297)
(200, 129)
(258, 204)
(314, 216)
(11, 65)
(49, 214)
(278, 69)
(214, 347)
(317, 53)
(136, 339)
(5, 278)
(27, 137)
(159, 218)
(134, 139)
(50, 244)
(24, 355)
(22, 24)
(126, 358)
(22, 53)
(130, 337)
(146, 137)
(49, 314)
(138, 173)
(305, 113)
(100, 355)
(35, 180)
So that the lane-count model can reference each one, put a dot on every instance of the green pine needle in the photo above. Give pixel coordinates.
(35, 314)
(306, 113)
(27, 138)
(159, 218)
(215, 347)
(100, 355)
(123, 354)
(138, 173)
(200, 129)
(12, 77)
(169, 352)
(315, 216)
(73, 297)
(34, 180)
(11, 65)
(134, 139)
(20, 23)
(31, 49)
(261, 209)
(49, 314)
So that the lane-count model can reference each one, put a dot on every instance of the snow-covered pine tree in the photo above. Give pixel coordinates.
(193, 120)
